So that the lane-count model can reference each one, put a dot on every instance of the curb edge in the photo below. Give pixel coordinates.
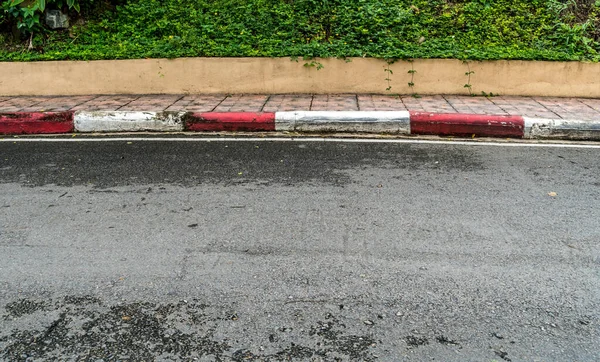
(389, 122)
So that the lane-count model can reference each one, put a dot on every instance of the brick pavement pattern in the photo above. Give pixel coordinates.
(540, 107)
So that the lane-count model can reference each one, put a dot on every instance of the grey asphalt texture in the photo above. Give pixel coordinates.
(301, 251)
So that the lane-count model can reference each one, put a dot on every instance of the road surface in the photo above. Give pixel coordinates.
(305, 251)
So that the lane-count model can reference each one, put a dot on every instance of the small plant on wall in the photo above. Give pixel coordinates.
(469, 73)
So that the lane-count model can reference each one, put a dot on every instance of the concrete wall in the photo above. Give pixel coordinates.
(282, 75)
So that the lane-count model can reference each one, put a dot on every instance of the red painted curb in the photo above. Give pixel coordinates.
(230, 121)
(451, 124)
(36, 122)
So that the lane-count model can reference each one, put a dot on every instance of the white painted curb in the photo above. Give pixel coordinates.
(561, 129)
(124, 121)
(397, 122)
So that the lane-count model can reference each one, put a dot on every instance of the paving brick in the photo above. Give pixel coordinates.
(474, 105)
(488, 110)
(524, 106)
(288, 102)
(529, 112)
(371, 102)
(592, 103)
(151, 103)
(58, 104)
(242, 103)
(428, 104)
(538, 114)
(533, 107)
(20, 104)
(570, 108)
(583, 116)
(106, 103)
(197, 103)
(514, 101)
(334, 102)
(557, 101)
(468, 100)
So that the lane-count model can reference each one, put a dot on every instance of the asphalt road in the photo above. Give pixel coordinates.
(303, 251)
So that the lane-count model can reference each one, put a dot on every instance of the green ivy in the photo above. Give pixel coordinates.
(27, 15)
(390, 29)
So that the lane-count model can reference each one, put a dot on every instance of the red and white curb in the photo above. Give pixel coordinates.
(466, 125)
(384, 122)
(36, 123)
(561, 129)
(128, 121)
(230, 121)
(330, 121)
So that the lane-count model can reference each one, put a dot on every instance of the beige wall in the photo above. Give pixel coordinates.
(281, 75)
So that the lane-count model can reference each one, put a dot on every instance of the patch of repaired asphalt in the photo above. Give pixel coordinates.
(89, 329)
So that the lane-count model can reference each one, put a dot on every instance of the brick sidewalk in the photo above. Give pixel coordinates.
(566, 108)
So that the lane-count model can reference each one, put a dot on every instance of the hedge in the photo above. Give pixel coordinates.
(391, 29)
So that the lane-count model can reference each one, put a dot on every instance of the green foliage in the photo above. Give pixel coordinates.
(389, 29)
(27, 15)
